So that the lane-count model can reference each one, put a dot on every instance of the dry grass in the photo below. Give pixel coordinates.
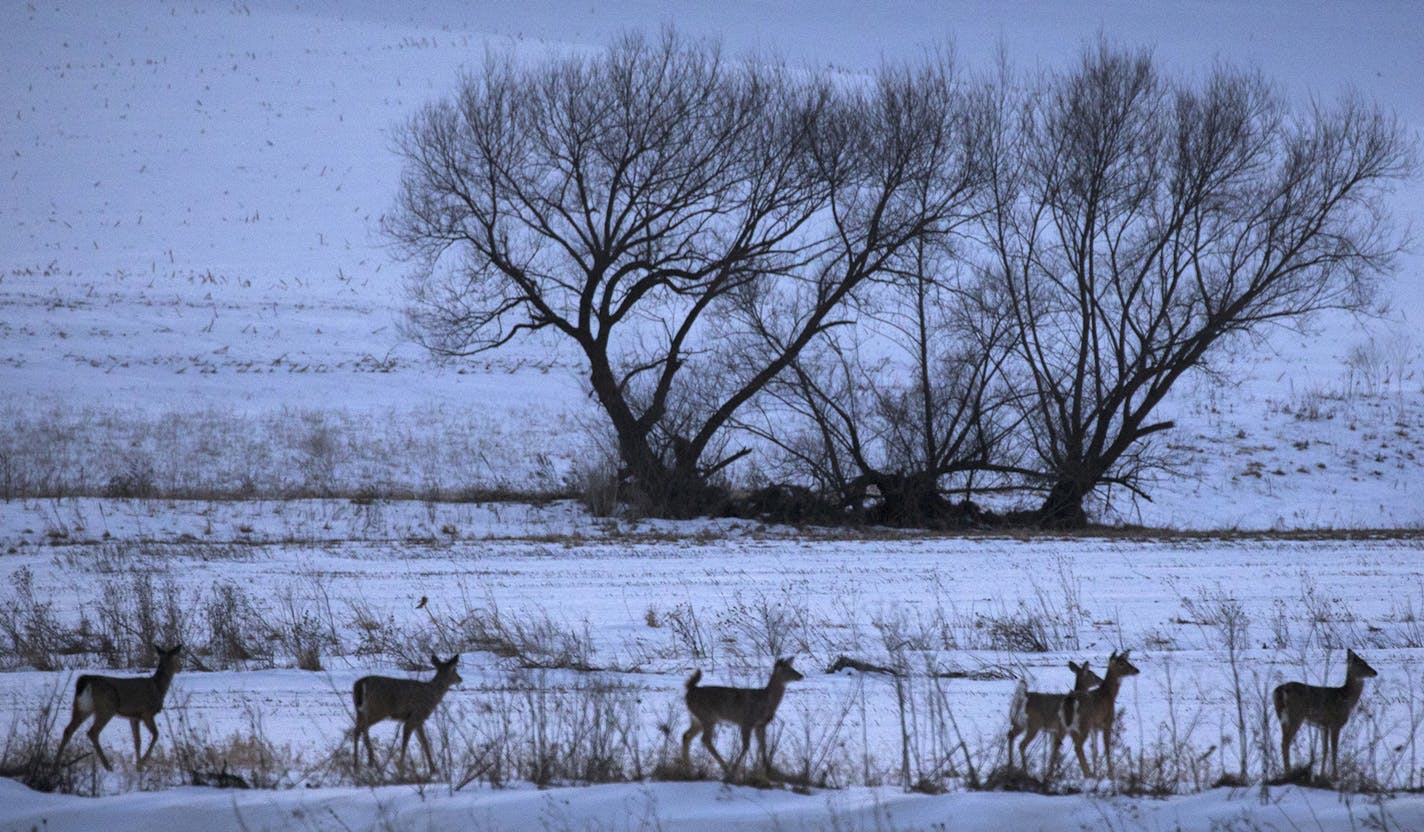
(557, 719)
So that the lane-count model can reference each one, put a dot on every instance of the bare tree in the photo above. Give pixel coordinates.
(896, 417)
(1138, 223)
(689, 225)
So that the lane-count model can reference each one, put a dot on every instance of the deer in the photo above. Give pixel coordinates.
(136, 699)
(751, 709)
(411, 702)
(1325, 706)
(1097, 709)
(1054, 713)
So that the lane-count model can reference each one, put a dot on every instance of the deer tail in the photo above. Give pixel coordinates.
(83, 696)
(1069, 713)
(1278, 696)
(693, 680)
(1018, 709)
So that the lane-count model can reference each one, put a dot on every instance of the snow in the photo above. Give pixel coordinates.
(697, 806)
(192, 278)
(751, 593)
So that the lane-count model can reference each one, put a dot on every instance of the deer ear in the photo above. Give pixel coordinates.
(1074, 667)
(454, 660)
(435, 660)
(1124, 655)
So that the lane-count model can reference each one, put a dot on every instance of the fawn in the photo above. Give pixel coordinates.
(136, 699)
(1055, 713)
(380, 698)
(1327, 707)
(750, 708)
(1097, 708)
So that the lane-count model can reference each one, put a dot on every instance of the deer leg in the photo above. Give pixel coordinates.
(707, 742)
(761, 745)
(1334, 735)
(1078, 748)
(100, 720)
(1324, 751)
(138, 746)
(77, 717)
(1013, 732)
(741, 755)
(1288, 729)
(425, 746)
(1057, 740)
(152, 735)
(1024, 744)
(405, 743)
(1107, 750)
(370, 749)
(687, 737)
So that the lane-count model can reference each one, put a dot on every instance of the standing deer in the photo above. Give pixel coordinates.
(1055, 713)
(136, 699)
(379, 698)
(750, 708)
(1327, 707)
(1097, 708)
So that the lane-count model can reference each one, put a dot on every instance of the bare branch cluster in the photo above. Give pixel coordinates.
(1139, 221)
(912, 285)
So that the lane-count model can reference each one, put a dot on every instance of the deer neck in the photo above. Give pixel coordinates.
(1353, 687)
(162, 678)
(774, 691)
(1107, 691)
(438, 687)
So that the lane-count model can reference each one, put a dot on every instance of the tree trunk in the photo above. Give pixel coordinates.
(656, 488)
(1063, 508)
(915, 501)
(677, 491)
(907, 500)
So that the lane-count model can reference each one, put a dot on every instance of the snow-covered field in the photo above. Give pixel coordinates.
(554, 627)
(704, 806)
(197, 296)
(194, 289)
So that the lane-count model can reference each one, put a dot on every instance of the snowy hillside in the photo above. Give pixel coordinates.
(196, 289)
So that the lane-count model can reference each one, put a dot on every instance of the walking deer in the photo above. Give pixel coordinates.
(1097, 709)
(135, 699)
(379, 698)
(749, 708)
(1325, 706)
(1054, 713)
